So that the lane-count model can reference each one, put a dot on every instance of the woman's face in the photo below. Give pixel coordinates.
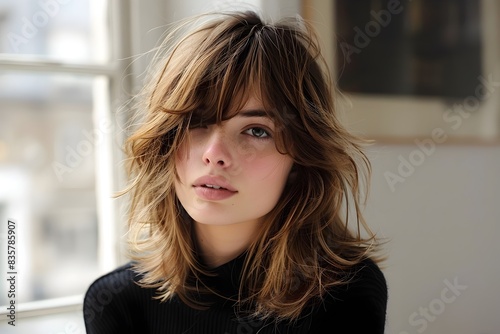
(232, 172)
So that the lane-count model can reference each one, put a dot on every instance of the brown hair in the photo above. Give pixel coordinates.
(305, 245)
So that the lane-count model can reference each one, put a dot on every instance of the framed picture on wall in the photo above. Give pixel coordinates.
(414, 69)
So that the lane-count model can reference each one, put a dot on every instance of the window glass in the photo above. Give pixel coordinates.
(49, 133)
(61, 30)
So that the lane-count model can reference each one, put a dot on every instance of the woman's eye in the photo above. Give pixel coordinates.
(257, 132)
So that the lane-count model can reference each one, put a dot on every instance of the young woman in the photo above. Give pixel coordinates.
(245, 194)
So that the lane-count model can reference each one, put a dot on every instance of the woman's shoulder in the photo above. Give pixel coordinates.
(110, 295)
(114, 282)
(365, 282)
(367, 278)
(358, 305)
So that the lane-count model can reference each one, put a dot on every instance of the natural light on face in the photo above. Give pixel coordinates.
(232, 172)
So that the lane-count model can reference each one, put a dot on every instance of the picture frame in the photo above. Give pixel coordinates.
(388, 117)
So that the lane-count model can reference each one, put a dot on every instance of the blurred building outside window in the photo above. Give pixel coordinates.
(59, 88)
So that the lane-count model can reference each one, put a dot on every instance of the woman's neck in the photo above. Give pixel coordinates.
(219, 244)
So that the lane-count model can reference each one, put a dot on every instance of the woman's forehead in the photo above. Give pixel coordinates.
(247, 104)
(252, 103)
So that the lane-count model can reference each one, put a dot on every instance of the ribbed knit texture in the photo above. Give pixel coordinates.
(115, 303)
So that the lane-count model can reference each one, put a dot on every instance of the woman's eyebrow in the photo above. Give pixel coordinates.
(254, 113)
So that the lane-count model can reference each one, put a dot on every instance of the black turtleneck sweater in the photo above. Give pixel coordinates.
(115, 303)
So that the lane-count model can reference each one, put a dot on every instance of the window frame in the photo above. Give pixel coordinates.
(118, 72)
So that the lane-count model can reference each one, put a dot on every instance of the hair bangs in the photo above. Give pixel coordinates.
(234, 60)
(231, 76)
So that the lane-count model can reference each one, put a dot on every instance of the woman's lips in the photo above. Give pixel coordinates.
(213, 188)
(213, 194)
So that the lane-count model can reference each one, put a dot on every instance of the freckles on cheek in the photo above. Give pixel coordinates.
(265, 169)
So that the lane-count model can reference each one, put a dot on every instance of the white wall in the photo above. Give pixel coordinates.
(442, 223)
(272, 9)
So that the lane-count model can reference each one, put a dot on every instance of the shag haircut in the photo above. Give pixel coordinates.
(205, 72)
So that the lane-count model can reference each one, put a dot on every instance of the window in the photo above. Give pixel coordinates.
(60, 85)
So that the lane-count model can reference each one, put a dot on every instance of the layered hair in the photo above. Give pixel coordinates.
(205, 71)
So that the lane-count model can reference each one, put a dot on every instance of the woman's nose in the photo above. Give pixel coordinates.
(217, 150)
